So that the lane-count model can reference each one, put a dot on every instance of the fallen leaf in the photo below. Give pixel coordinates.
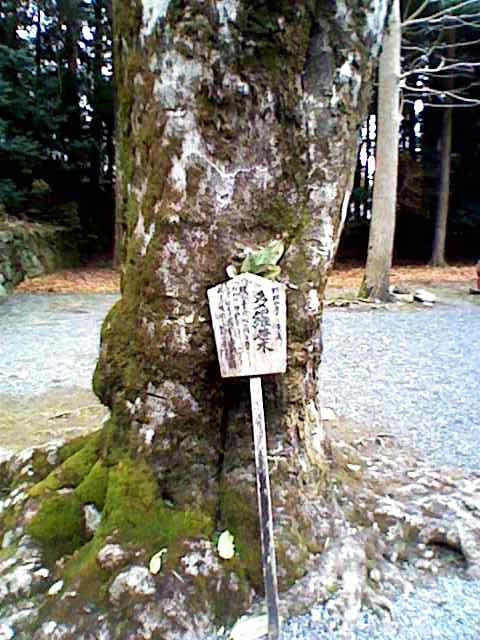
(226, 546)
(156, 562)
(55, 588)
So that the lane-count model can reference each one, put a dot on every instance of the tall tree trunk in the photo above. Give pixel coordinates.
(440, 233)
(382, 226)
(69, 18)
(237, 124)
(441, 218)
(38, 42)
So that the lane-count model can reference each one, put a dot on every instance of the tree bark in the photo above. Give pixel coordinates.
(441, 218)
(69, 19)
(237, 124)
(382, 226)
(38, 42)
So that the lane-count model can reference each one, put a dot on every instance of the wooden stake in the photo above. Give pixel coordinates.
(265, 508)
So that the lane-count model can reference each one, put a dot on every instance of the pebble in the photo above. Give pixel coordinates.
(136, 582)
(111, 556)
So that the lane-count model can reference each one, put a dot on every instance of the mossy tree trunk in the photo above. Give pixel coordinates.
(237, 124)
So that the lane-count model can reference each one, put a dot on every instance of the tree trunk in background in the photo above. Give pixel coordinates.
(382, 226)
(441, 218)
(96, 124)
(69, 17)
(237, 124)
(440, 233)
(38, 41)
(9, 23)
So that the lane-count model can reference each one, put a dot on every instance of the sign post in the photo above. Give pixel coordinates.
(249, 323)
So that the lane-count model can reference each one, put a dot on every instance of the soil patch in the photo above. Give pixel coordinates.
(348, 277)
(82, 280)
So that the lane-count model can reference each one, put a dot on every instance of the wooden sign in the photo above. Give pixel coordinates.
(249, 317)
(249, 323)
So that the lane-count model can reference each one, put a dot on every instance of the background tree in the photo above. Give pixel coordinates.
(444, 78)
(237, 124)
(382, 225)
(429, 63)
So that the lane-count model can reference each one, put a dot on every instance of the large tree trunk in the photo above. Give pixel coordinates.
(382, 226)
(237, 124)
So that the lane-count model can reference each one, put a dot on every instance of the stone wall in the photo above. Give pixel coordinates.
(28, 250)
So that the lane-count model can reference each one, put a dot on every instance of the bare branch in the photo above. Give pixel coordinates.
(441, 67)
(446, 22)
(450, 105)
(417, 12)
(435, 16)
(465, 43)
(436, 92)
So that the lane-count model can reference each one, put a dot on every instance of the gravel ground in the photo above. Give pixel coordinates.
(49, 341)
(448, 610)
(414, 374)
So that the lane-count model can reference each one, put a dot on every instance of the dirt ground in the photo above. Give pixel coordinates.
(348, 277)
(345, 277)
(82, 280)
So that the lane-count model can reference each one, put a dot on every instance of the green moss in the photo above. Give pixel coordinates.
(40, 465)
(121, 368)
(9, 519)
(83, 572)
(227, 609)
(115, 439)
(71, 447)
(73, 470)
(49, 484)
(93, 488)
(58, 526)
(280, 52)
(240, 517)
(281, 218)
(134, 508)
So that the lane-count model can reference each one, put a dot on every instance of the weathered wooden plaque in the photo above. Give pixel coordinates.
(249, 323)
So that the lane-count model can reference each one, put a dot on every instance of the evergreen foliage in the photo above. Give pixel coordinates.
(56, 115)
